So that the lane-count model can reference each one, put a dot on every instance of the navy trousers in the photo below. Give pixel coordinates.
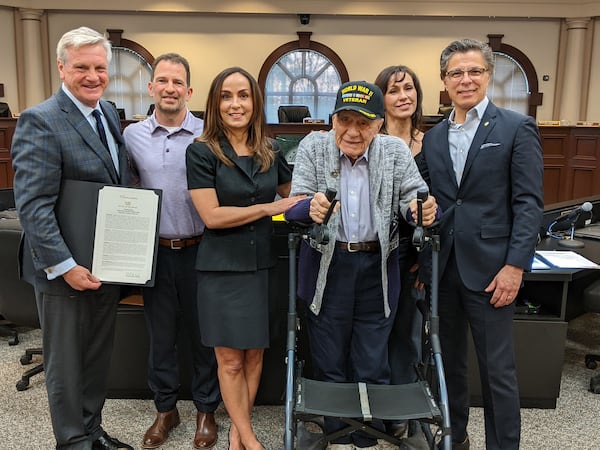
(405, 344)
(349, 337)
(171, 303)
(492, 331)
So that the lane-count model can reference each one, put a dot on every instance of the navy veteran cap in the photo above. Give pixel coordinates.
(362, 97)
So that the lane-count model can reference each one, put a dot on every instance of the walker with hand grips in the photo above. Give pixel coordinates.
(357, 404)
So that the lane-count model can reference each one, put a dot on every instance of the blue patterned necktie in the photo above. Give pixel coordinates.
(100, 128)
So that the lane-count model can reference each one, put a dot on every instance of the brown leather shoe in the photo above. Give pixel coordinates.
(158, 432)
(206, 431)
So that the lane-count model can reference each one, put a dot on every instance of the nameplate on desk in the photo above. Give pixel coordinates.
(562, 259)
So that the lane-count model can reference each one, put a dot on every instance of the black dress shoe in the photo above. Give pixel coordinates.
(397, 429)
(464, 445)
(105, 442)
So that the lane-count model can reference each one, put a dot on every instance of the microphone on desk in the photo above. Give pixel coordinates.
(571, 217)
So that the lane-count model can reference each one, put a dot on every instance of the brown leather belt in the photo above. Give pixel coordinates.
(370, 246)
(177, 244)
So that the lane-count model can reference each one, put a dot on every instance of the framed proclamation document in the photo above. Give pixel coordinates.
(111, 230)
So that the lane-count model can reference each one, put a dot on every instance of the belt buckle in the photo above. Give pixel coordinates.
(349, 248)
(173, 241)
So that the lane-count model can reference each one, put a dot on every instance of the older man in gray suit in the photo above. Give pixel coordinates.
(73, 135)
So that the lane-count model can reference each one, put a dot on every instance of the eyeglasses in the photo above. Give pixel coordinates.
(458, 74)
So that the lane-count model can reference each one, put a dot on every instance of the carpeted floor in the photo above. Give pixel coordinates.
(574, 424)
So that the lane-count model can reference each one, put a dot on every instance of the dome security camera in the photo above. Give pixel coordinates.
(304, 19)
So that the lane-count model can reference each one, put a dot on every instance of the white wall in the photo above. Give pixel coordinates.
(8, 71)
(212, 43)
(366, 45)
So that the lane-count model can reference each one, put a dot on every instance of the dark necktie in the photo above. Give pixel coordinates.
(100, 128)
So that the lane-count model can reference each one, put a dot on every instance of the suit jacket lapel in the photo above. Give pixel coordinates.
(83, 127)
(444, 152)
(115, 127)
(115, 130)
(486, 125)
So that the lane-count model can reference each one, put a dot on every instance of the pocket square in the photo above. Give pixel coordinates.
(489, 144)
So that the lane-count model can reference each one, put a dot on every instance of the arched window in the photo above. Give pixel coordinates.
(514, 83)
(514, 66)
(130, 71)
(508, 87)
(302, 72)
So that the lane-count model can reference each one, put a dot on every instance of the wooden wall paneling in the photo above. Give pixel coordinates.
(582, 181)
(7, 128)
(583, 162)
(552, 186)
(555, 144)
(5, 181)
(571, 157)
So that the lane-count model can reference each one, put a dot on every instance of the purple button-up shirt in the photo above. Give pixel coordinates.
(158, 154)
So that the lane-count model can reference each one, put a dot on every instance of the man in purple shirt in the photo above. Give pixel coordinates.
(156, 148)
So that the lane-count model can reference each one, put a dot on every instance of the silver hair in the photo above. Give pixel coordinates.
(464, 46)
(80, 37)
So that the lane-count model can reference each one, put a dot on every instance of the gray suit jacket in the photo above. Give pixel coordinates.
(494, 216)
(53, 141)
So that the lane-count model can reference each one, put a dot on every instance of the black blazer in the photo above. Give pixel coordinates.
(494, 217)
(247, 247)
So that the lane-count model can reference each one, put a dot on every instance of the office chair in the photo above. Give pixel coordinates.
(120, 111)
(591, 303)
(7, 199)
(17, 298)
(292, 113)
(7, 205)
(445, 111)
(5, 110)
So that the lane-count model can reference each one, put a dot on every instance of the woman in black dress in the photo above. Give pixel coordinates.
(234, 174)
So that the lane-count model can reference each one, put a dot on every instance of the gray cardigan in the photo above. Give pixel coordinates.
(393, 181)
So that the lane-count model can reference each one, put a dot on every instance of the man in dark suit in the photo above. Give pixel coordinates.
(57, 140)
(485, 169)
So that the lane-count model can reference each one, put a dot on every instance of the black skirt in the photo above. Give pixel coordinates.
(233, 308)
